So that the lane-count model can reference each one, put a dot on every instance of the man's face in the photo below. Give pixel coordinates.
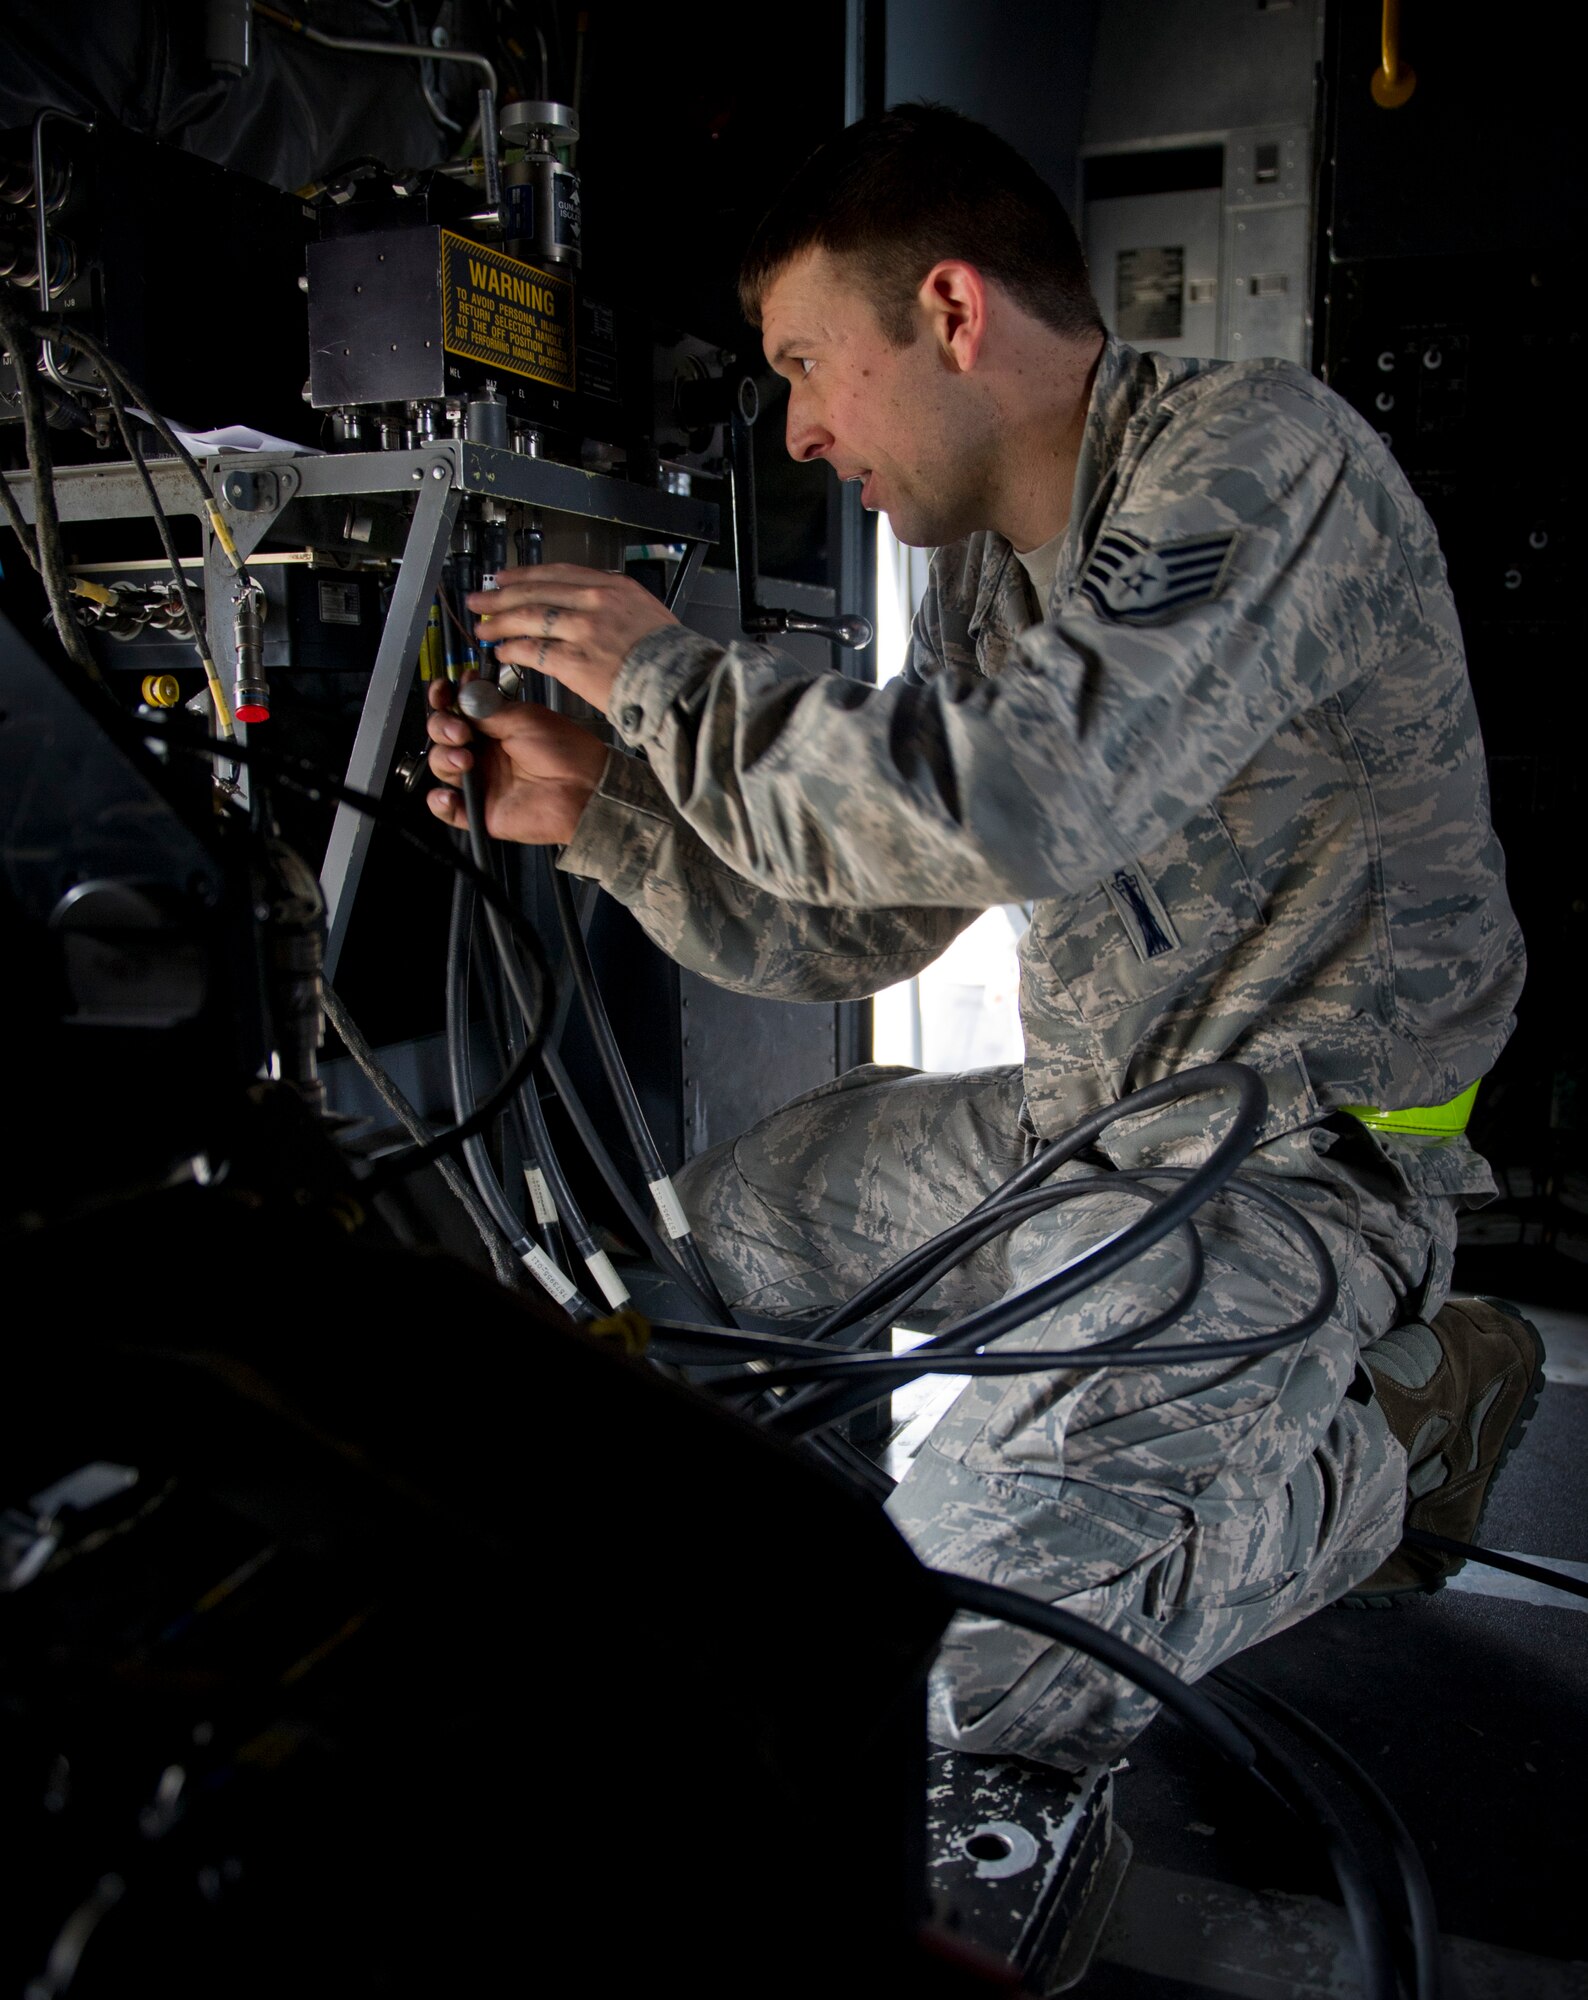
(907, 423)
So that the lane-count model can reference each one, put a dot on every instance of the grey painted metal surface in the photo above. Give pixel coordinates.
(1180, 68)
(434, 513)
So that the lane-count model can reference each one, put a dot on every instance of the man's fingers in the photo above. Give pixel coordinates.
(552, 577)
(554, 624)
(447, 806)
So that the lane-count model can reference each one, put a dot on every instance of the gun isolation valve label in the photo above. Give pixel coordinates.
(505, 314)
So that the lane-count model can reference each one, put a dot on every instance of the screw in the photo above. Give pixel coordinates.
(438, 472)
(417, 473)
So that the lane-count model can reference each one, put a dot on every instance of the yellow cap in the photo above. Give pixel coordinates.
(162, 690)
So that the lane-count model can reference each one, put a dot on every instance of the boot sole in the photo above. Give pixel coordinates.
(1387, 1600)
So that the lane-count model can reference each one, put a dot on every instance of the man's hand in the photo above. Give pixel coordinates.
(577, 625)
(539, 769)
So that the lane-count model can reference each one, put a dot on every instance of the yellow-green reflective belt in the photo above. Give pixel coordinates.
(1429, 1121)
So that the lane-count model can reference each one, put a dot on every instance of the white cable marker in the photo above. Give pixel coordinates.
(669, 1207)
(613, 1289)
(540, 1266)
(540, 1201)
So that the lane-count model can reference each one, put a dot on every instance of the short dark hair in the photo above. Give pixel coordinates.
(899, 192)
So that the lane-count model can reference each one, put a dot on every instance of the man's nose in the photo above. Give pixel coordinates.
(806, 439)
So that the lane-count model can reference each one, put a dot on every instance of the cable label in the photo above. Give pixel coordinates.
(540, 1267)
(540, 1200)
(613, 1289)
(669, 1208)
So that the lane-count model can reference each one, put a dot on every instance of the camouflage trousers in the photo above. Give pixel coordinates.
(1192, 1510)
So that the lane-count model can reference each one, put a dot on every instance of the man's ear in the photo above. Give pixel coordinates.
(953, 297)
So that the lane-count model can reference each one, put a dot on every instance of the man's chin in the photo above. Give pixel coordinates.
(912, 532)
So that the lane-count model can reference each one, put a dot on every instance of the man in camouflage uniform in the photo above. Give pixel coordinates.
(1214, 723)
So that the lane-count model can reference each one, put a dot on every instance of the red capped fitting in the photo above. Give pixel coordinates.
(252, 711)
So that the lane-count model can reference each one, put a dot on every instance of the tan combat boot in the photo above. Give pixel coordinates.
(1458, 1393)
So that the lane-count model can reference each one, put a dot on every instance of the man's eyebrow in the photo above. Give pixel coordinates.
(795, 343)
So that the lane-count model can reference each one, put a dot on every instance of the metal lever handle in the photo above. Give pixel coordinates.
(852, 631)
(755, 619)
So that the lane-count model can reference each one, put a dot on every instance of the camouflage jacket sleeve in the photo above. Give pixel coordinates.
(1101, 734)
(710, 919)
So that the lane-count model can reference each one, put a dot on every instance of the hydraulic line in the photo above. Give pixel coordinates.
(555, 1282)
(1212, 1718)
(506, 1032)
(313, 782)
(1415, 1886)
(607, 1167)
(965, 1238)
(596, 1260)
(1556, 1579)
(800, 1414)
(1252, 1103)
(822, 1406)
(1363, 1908)
(498, 1246)
(657, 1179)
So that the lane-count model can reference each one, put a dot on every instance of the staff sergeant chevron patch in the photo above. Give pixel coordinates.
(1137, 585)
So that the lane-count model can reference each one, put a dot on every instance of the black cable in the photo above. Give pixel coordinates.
(1415, 1886)
(561, 1190)
(111, 369)
(1251, 1108)
(551, 1276)
(1215, 1721)
(1364, 1908)
(1012, 1607)
(619, 1082)
(815, 1407)
(579, 1117)
(461, 1083)
(529, 1123)
(1557, 1579)
(890, 1369)
(562, 1193)
(498, 1248)
(311, 781)
(966, 1237)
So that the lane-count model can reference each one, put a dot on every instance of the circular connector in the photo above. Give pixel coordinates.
(479, 700)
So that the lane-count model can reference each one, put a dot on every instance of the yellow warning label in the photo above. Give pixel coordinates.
(505, 314)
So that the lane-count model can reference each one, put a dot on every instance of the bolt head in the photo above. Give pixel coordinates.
(417, 473)
(438, 472)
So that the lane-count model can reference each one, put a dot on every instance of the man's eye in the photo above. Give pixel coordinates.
(805, 363)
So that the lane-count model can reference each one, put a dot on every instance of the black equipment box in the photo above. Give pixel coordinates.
(426, 312)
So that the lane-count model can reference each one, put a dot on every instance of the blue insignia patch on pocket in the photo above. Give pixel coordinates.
(1135, 585)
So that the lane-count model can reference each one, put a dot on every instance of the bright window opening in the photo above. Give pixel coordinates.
(962, 1011)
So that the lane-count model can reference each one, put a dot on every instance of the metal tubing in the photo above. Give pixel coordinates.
(42, 249)
(684, 578)
(434, 513)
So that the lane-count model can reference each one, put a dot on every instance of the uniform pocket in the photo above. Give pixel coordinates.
(1152, 925)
